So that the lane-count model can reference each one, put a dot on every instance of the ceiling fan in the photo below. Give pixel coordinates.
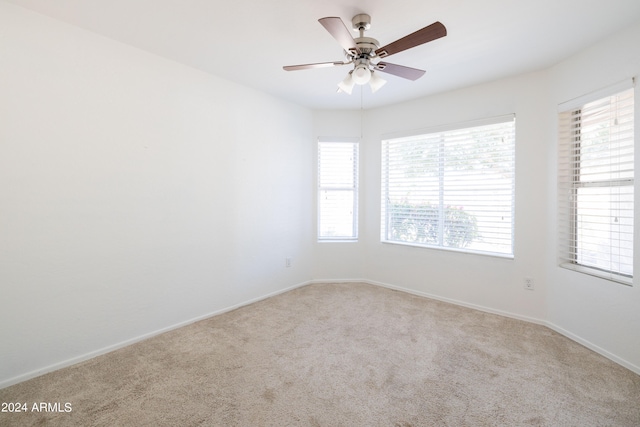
(365, 53)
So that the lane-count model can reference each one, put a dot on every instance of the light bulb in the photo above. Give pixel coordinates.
(361, 75)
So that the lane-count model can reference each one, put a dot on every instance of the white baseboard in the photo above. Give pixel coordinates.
(74, 360)
(601, 351)
(110, 348)
(316, 281)
(460, 303)
(556, 328)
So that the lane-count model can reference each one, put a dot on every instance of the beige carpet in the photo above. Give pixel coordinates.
(341, 355)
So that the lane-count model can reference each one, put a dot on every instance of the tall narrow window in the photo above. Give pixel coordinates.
(337, 191)
(596, 185)
(452, 188)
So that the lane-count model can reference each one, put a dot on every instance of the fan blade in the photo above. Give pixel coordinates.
(339, 31)
(400, 70)
(427, 34)
(316, 65)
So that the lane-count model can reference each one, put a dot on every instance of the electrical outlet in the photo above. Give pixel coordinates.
(287, 262)
(528, 283)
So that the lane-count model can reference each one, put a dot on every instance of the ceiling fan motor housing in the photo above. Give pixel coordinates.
(367, 45)
(361, 23)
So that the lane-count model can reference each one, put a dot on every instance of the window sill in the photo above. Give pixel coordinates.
(446, 249)
(613, 277)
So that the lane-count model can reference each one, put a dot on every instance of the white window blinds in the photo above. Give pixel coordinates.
(451, 189)
(337, 190)
(596, 186)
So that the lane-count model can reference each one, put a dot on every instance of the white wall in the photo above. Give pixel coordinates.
(602, 315)
(493, 283)
(139, 194)
(136, 194)
(339, 260)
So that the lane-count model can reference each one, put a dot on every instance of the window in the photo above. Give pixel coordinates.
(451, 189)
(595, 176)
(337, 190)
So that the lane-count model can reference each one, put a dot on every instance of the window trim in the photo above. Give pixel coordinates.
(450, 127)
(570, 238)
(355, 190)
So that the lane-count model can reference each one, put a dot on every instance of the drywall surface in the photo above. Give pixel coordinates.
(601, 314)
(139, 194)
(339, 260)
(476, 280)
(136, 194)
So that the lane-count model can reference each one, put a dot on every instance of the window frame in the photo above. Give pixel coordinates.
(450, 129)
(570, 143)
(354, 189)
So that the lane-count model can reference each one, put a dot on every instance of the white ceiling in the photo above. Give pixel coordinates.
(248, 41)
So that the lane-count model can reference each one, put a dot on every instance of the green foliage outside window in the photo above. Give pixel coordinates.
(420, 223)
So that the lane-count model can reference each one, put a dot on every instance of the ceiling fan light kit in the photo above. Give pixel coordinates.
(365, 52)
(346, 85)
(376, 82)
